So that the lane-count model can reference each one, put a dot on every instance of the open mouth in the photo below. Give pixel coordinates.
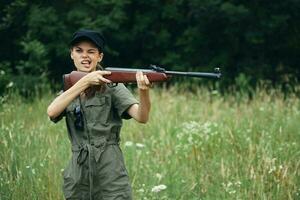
(86, 62)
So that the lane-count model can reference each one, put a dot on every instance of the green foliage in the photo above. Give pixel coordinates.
(258, 39)
(36, 62)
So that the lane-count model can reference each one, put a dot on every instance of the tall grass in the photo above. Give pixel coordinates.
(199, 145)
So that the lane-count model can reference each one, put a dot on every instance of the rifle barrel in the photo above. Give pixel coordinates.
(194, 74)
(128, 69)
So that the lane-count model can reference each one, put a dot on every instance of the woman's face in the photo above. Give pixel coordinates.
(85, 56)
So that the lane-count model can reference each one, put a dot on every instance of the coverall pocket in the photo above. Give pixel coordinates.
(95, 110)
(75, 178)
(120, 157)
(112, 175)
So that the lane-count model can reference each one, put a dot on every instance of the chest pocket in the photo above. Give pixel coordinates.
(97, 110)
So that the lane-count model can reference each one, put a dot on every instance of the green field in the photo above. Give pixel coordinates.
(200, 145)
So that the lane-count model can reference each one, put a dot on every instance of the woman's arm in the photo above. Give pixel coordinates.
(60, 103)
(140, 112)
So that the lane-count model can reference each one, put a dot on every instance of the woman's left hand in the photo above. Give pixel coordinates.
(140, 111)
(142, 81)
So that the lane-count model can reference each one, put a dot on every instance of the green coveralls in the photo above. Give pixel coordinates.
(96, 170)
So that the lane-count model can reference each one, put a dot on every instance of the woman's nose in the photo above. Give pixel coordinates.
(84, 55)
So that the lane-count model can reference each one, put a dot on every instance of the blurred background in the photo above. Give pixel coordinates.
(253, 42)
(234, 138)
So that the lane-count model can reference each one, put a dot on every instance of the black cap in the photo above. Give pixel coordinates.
(94, 36)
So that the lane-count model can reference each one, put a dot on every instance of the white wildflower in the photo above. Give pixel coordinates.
(158, 188)
(207, 127)
(238, 183)
(139, 145)
(128, 144)
(141, 190)
(229, 184)
(272, 169)
(232, 192)
(159, 176)
(190, 139)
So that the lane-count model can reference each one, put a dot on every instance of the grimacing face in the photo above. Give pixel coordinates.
(85, 56)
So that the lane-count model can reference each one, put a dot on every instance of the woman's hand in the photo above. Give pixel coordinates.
(60, 103)
(140, 112)
(96, 77)
(142, 81)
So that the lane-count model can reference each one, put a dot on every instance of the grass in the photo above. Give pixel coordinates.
(200, 145)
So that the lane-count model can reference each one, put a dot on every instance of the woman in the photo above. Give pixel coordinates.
(94, 119)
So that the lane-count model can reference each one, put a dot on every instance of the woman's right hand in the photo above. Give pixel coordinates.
(60, 103)
(96, 78)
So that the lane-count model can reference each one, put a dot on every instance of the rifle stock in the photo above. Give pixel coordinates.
(126, 75)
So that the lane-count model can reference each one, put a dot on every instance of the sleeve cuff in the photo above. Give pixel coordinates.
(124, 114)
(58, 118)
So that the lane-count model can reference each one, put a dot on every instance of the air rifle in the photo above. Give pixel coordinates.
(127, 75)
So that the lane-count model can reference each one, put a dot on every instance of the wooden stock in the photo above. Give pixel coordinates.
(116, 77)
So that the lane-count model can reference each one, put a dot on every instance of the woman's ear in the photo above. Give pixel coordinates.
(71, 54)
(100, 57)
